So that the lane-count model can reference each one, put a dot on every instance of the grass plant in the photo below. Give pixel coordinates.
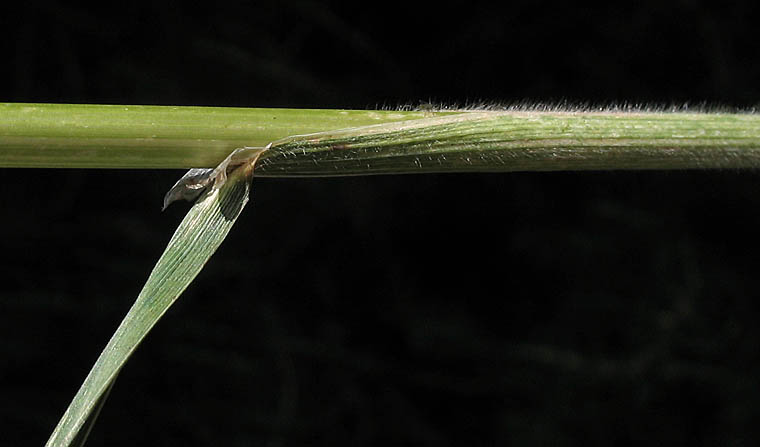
(295, 143)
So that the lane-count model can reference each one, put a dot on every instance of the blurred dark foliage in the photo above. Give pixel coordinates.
(552, 309)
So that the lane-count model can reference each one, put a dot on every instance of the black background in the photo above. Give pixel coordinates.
(549, 309)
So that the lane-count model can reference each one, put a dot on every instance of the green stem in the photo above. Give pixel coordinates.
(138, 137)
(344, 142)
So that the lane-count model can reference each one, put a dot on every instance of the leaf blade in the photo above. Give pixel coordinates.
(198, 236)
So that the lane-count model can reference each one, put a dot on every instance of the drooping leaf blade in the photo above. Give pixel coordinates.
(198, 236)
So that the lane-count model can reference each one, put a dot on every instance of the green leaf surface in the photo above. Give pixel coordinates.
(197, 238)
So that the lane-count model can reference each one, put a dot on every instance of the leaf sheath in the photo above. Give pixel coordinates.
(522, 141)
